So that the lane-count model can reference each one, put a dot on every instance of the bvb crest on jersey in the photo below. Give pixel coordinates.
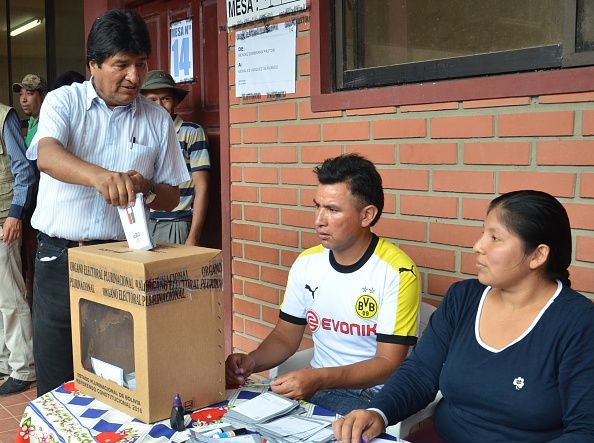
(366, 305)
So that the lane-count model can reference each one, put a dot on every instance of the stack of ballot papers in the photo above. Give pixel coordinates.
(280, 420)
(297, 428)
(260, 409)
(272, 418)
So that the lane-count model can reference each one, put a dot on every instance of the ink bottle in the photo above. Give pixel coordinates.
(177, 414)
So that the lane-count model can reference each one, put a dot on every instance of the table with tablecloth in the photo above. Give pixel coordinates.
(67, 415)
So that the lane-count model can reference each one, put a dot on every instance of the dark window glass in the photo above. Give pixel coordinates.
(386, 42)
(584, 34)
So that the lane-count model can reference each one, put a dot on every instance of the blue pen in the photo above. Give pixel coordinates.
(232, 433)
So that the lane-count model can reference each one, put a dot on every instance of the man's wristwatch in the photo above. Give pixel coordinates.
(150, 196)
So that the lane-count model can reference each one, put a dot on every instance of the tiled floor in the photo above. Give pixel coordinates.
(11, 410)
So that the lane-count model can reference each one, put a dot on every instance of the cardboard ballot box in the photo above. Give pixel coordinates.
(147, 325)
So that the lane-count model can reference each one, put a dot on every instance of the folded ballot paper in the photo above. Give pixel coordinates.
(134, 221)
(260, 409)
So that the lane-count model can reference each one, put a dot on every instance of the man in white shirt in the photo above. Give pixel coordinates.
(98, 144)
(357, 292)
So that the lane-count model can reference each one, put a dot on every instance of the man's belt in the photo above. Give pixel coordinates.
(64, 243)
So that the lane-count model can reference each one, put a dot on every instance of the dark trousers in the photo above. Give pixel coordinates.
(52, 335)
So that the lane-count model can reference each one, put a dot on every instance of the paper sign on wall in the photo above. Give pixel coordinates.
(181, 51)
(245, 11)
(265, 60)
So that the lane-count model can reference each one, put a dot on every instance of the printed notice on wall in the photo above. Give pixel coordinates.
(265, 60)
(181, 51)
(245, 11)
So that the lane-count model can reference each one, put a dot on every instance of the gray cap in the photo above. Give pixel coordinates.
(31, 82)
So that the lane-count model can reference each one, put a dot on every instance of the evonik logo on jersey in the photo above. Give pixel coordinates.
(329, 324)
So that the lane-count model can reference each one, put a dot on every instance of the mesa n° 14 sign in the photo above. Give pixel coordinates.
(181, 54)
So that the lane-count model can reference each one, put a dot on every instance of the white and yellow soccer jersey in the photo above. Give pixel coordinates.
(350, 308)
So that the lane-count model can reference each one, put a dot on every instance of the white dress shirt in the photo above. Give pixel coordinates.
(139, 136)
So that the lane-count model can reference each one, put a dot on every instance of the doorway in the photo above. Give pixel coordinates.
(202, 103)
(43, 37)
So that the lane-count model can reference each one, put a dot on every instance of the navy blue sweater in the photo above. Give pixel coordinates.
(538, 389)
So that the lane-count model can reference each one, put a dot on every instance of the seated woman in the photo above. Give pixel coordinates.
(512, 352)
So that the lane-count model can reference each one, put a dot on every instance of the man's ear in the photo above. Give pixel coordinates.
(93, 65)
(368, 214)
(539, 256)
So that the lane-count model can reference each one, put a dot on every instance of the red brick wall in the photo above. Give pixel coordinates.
(441, 164)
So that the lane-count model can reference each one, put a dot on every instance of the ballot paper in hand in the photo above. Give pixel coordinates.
(260, 409)
(135, 225)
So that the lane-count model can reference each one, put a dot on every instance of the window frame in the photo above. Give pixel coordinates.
(569, 79)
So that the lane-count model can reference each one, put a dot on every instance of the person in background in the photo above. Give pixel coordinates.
(358, 293)
(67, 78)
(99, 143)
(32, 90)
(17, 180)
(184, 224)
(512, 351)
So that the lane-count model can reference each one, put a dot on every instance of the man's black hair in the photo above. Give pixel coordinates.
(118, 30)
(67, 78)
(360, 175)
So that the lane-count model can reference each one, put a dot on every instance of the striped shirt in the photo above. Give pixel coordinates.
(194, 147)
(139, 136)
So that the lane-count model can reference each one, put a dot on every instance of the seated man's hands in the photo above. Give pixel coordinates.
(300, 384)
(358, 425)
(238, 367)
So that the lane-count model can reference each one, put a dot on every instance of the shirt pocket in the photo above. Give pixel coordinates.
(6, 191)
(137, 157)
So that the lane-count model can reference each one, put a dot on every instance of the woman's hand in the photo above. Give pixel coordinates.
(358, 425)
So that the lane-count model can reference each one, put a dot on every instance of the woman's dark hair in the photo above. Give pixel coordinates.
(118, 30)
(360, 175)
(538, 218)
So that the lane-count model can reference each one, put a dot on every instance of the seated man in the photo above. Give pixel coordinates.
(358, 293)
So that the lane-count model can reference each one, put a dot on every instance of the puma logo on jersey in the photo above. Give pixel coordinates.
(313, 291)
(411, 270)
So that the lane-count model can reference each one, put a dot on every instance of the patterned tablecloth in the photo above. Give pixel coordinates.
(66, 415)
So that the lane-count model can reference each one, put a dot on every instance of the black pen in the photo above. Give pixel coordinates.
(132, 142)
